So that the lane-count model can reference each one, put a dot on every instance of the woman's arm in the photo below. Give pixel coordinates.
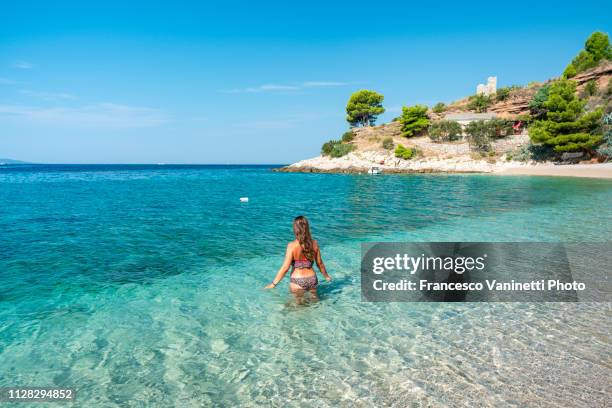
(320, 263)
(283, 269)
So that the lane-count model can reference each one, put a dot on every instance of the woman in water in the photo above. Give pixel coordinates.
(301, 253)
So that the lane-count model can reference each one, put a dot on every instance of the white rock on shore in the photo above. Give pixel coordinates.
(363, 161)
(387, 162)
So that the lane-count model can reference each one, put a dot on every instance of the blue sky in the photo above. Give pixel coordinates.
(240, 82)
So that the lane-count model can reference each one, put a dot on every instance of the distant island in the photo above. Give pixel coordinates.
(516, 129)
(11, 161)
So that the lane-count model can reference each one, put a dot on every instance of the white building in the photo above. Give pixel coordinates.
(489, 89)
(465, 118)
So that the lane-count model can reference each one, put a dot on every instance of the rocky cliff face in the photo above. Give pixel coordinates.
(516, 104)
(601, 74)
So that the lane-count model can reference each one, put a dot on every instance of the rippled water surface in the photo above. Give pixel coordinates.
(140, 286)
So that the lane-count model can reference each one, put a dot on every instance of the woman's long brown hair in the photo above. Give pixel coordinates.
(302, 233)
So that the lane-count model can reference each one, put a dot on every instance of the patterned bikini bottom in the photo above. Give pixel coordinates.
(307, 283)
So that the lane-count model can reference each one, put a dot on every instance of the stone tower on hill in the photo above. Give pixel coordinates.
(489, 89)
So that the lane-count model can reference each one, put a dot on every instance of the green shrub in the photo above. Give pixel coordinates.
(327, 147)
(590, 88)
(536, 105)
(502, 94)
(606, 147)
(566, 127)
(445, 131)
(387, 143)
(479, 103)
(341, 149)
(414, 120)
(598, 45)
(405, 153)
(609, 87)
(521, 154)
(541, 152)
(479, 135)
(348, 136)
(583, 61)
(524, 117)
(570, 71)
(500, 128)
(335, 148)
(439, 107)
(531, 152)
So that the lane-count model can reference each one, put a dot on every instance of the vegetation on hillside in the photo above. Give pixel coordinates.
(606, 147)
(414, 120)
(439, 107)
(499, 128)
(387, 143)
(536, 106)
(445, 131)
(596, 48)
(559, 120)
(590, 89)
(335, 148)
(339, 148)
(566, 127)
(363, 108)
(403, 152)
(504, 93)
(530, 152)
(348, 136)
(479, 103)
(478, 135)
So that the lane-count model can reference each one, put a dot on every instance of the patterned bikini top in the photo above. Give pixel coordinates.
(302, 264)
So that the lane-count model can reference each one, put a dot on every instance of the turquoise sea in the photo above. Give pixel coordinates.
(141, 286)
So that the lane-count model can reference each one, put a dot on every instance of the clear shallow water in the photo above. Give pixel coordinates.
(139, 286)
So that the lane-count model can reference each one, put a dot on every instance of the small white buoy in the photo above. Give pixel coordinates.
(244, 199)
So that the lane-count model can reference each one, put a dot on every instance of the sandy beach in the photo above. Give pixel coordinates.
(603, 170)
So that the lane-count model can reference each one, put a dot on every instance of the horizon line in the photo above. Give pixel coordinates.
(151, 164)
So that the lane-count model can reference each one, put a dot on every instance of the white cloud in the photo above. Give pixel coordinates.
(22, 65)
(105, 115)
(292, 87)
(47, 96)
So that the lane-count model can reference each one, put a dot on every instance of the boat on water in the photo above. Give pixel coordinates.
(374, 170)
